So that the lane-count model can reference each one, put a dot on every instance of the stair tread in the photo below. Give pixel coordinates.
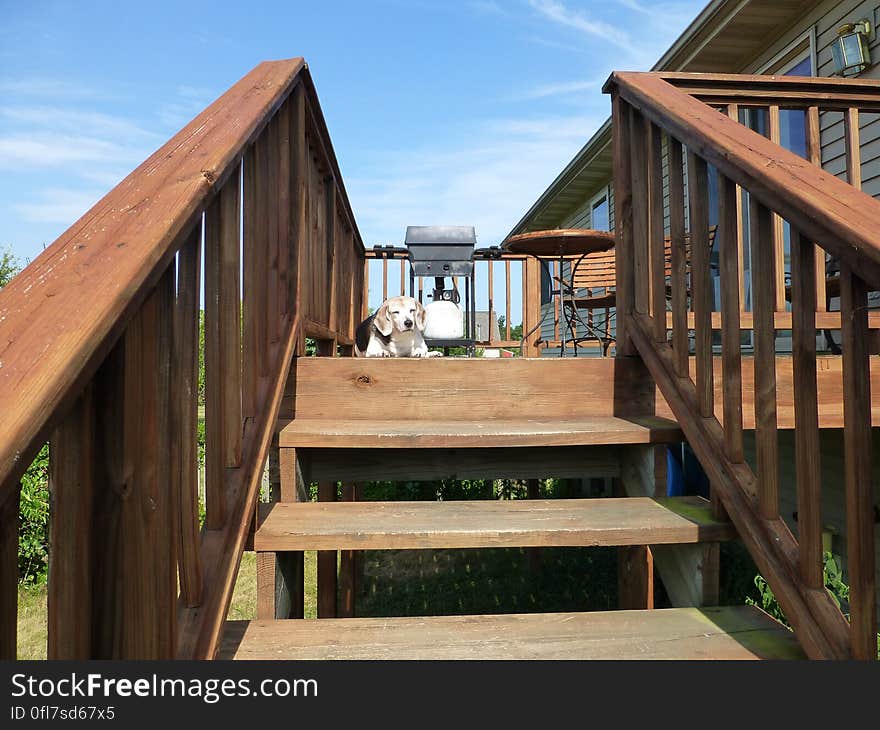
(439, 433)
(487, 523)
(733, 632)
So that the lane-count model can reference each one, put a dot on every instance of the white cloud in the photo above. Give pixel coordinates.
(58, 205)
(48, 87)
(559, 13)
(187, 101)
(488, 182)
(65, 119)
(562, 88)
(673, 16)
(489, 7)
(26, 150)
(643, 39)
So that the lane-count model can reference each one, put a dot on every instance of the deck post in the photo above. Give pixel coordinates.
(348, 578)
(689, 572)
(327, 568)
(623, 223)
(280, 575)
(531, 297)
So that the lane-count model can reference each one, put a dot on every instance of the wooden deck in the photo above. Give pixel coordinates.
(487, 524)
(742, 632)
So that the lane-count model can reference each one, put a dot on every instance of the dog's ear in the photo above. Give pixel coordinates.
(382, 320)
(420, 316)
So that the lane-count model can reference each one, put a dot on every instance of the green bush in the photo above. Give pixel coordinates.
(834, 582)
(33, 532)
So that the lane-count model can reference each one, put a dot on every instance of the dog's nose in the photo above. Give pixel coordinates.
(408, 323)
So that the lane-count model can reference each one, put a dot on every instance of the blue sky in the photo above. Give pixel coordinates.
(458, 112)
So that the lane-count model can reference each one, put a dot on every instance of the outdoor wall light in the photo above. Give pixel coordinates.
(850, 49)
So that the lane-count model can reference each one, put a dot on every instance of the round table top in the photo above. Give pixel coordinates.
(560, 242)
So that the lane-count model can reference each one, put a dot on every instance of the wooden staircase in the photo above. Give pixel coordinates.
(100, 346)
(354, 419)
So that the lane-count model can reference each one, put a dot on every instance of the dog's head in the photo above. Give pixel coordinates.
(400, 313)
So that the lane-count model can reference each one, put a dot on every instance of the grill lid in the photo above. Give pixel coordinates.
(455, 236)
(441, 250)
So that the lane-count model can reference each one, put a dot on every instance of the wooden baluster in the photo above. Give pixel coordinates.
(623, 222)
(640, 234)
(184, 418)
(329, 243)
(814, 154)
(778, 225)
(678, 255)
(733, 113)
(806, 414)
(857, 432)
(299, 195)
(284, 210)
(270, 193)
(526, 303)
(250, 285)
(857, 464)
(9, 507)
(655, 232)
(223, 423)
(853, 147)
(730, 312)
(71, 560)
(701, 283)
(763, 305)
(556, 283)
(507, 294)
(491, 306)
(365, 302)
(256, 265)
(134, 584)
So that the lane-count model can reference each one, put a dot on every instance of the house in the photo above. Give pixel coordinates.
(746, 37)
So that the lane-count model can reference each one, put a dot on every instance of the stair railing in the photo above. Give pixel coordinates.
(669, 136)
(243, 210)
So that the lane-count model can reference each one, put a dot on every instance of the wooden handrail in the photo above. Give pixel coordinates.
(790, 92)
(824, 214)
(100, 351)
(60, 316)
(825, 208)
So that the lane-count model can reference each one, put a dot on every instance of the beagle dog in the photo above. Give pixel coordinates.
(395, 330)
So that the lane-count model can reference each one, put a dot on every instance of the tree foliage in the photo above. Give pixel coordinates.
(9, 266)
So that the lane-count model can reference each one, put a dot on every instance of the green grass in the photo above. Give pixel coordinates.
(32, 617)
(32, 622)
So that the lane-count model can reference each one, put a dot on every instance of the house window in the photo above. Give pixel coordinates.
(546, 285)
(599, 218)
(796, 60)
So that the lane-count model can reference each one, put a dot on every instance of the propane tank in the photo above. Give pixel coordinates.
(443, 321)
